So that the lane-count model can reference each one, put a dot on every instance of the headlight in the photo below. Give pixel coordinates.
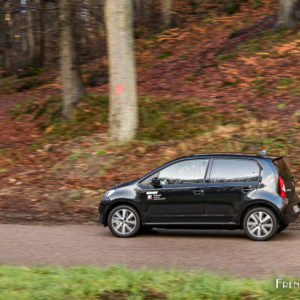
(109, 193)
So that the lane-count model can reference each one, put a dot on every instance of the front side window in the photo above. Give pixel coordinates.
(234, 170)
(184, 172)
(147, 181)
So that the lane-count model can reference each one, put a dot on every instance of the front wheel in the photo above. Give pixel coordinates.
(124, 221)
(260, 224)
(282, 227)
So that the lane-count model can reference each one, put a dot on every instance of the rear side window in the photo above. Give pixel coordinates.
(234, 170)
(282, 166)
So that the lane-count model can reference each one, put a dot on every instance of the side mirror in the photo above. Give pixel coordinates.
(155, 182)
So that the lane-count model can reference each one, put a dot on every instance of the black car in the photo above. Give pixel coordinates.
(208, 191)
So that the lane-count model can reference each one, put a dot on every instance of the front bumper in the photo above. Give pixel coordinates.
(102, 212)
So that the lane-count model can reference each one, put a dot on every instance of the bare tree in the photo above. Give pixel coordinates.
(143, 11)
(69, 67)
(123, 107)
(40, 41)
(166, 12)
(30, 32)
(8, 51)
(288, 13)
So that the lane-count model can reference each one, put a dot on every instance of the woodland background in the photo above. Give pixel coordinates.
(211, 76)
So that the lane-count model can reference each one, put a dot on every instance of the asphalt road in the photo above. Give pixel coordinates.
(221, 251)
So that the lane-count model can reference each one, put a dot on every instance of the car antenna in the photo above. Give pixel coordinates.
(264, 152)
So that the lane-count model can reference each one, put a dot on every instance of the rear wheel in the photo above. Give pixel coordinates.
(260, 224)
(124, 221)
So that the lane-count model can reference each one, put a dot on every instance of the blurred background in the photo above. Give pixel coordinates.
(93, 94)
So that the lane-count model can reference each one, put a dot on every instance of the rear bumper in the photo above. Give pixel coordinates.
(292, 212)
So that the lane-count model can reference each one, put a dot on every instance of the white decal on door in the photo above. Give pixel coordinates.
(154, 195)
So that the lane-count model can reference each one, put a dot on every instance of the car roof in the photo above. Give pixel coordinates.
(229, 155)
(211, 155)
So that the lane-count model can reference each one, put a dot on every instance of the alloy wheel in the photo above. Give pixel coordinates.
(123, 221)
(260, 224)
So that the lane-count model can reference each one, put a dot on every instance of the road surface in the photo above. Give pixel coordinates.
(221, 251)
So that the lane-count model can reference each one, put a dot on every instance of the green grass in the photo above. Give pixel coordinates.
(15, 84)
(193, 75)
(251, 46)
(101, 152)
(281, 105)
(257, 4)
(165, 55)
(166, 119)
(232, 6)
(265, 40)
(89, 113)
(160, 119)
(285, 81)
(295, 91)
(25, 107)
(74, 156)
(183, 55)
(259, 86)
(226, 56)
(120, 283)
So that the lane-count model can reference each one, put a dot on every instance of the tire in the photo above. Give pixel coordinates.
(124, 221)
(282, 227)
(260, 224)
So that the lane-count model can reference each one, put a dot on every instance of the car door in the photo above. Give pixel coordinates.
(230, 183)
(180, 197)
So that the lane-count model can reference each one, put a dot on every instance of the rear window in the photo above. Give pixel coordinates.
(283, 167)
(234, 170)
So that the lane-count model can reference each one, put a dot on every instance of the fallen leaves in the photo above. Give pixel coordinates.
(47, 182)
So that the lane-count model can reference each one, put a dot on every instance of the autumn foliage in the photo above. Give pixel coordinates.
(215, 81)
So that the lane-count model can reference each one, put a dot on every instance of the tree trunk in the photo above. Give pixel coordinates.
(123, 107)
(85, 30)
(166, 8)
(8, 61)
(69, 67)
(40, 51)
(288, 13)
(101, 37)
(143, 11)
(139, 9)
(30, 33)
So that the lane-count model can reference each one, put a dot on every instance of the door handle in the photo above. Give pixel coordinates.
(198, 192)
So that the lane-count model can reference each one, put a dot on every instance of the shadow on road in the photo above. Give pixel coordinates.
(222, 234)
(194, 233)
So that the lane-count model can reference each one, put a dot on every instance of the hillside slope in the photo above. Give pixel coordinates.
(216, 83)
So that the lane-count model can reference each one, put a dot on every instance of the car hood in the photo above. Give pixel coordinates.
(124, 184)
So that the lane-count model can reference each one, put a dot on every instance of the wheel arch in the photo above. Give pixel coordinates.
(260, 203)
(119, 203)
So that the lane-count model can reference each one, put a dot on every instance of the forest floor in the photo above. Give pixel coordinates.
(221, 83)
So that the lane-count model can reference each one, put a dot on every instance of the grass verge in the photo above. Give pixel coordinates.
(122, 283)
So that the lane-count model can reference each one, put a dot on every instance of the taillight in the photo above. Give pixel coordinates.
(282, 187)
